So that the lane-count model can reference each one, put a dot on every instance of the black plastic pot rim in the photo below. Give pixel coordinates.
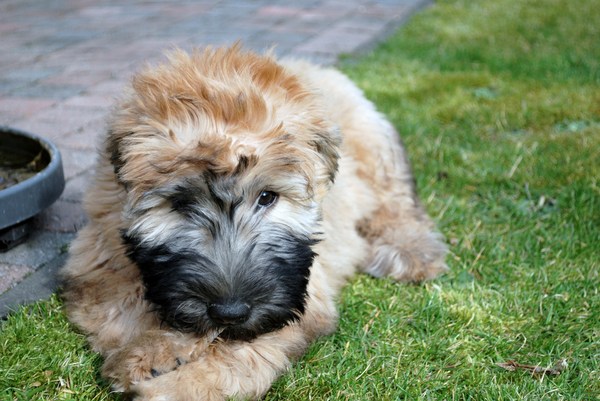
(41, 190)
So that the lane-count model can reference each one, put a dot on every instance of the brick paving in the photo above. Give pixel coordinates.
(64, 61)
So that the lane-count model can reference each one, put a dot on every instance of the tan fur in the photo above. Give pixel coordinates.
(291, 120)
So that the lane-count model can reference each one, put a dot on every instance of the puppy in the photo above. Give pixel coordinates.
(234, 196)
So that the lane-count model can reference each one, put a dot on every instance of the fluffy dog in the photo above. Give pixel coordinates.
(233, 198)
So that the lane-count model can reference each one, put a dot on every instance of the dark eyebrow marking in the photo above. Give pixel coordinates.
(233, 206)
(244, 162)
(211, 190)
(189, 198)
(182, 200)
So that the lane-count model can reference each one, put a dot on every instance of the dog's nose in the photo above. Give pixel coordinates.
(229, 312)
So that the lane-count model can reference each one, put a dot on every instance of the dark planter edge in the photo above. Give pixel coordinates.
(25, 199)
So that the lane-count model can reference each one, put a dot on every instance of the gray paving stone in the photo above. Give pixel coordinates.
(12, 274)
(20, 107)
(40, 248)
(58, 92)
(36, 286)
(282, 44)
(77, 161)
(29, 74)
(62, 217)
(12, 85)
(76, 187)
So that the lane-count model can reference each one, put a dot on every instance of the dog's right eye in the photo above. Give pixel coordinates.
(266, 198)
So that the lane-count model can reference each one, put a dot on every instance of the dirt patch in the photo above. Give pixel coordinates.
(18, 165)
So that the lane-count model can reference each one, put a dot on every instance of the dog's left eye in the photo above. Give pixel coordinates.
(267, 198)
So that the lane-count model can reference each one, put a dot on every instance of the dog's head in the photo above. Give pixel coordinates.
(225, 157)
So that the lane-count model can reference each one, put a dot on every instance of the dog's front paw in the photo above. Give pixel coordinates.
(194, 381)
(233, 370)
(150, 355)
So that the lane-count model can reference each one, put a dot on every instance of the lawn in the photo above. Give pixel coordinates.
(498, 103)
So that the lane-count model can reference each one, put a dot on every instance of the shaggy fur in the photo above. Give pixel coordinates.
(233, 198)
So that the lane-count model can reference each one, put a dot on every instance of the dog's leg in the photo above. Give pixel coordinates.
(151, 354)
(408, 249)
(236, 370)
(404, 242)
(170, 366)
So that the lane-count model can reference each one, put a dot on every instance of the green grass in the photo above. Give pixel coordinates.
(43, 358)
(498, 103)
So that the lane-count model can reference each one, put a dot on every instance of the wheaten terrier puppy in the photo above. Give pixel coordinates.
(234, 196)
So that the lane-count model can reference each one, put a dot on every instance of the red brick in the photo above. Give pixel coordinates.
(90, 101)
(81, 79)
(19, 107)
(278, 11)
(45, 129)
(112, 88)
(336, 40)
(85, 139)
(69, 118)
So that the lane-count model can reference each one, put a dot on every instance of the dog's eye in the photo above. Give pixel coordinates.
(266, 198)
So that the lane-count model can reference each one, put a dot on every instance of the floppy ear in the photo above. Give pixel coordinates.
(113, 152)
(327, 143)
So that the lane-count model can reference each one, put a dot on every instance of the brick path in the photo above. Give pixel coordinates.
(63, 61)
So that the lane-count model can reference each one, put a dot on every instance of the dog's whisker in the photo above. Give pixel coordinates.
(206, 341)
(213, 335)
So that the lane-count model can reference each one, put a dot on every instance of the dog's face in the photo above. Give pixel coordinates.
(224, 158)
